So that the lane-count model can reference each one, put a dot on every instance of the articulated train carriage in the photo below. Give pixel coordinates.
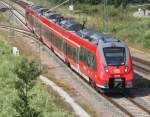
(101, 59)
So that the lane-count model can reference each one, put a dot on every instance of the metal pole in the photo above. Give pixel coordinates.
(11, 19)
(105, 17)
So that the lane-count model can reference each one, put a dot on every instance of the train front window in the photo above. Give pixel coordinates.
(114, 56)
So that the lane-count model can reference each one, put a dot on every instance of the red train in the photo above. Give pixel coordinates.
(101, 59)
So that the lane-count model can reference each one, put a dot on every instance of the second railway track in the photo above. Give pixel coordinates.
(26, 32)
(141, 65)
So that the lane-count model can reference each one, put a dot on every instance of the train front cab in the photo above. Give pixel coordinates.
(115, 71)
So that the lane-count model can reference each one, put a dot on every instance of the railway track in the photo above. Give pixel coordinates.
(21, 3)
(129, 106)
(125, 102)
(23, 31)
(16, 13)
(141, 65)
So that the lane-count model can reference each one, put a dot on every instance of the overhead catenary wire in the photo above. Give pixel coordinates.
(58, 5)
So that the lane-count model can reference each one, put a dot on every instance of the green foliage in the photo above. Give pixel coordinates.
(41, 100)
(2, 17)
(146, 41)
(26, 72)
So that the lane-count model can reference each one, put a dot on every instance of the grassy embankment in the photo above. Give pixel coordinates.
(134, 31)
(45, 100)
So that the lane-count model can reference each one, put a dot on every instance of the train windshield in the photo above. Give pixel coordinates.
(114, 56)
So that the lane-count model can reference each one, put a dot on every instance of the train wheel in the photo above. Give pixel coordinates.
(92, 83)
(52, 49)
(67, 63)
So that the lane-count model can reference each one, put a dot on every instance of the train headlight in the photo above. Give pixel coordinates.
(106, 69)
(126, 69)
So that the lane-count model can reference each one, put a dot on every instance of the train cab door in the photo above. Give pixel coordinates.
(71, 55)
(83, 68)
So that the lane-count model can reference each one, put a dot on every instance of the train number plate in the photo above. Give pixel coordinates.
(117, 80)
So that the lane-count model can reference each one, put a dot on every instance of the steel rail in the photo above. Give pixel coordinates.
(141, 65)
(27, 31)
(128, 97)
(118, 106)
(19, 30)
(24, 23)
(138, 105)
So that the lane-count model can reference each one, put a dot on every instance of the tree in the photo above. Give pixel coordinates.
(26, 72)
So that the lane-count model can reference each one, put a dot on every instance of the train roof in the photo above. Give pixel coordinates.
(36, 6)
(97, 37)
(49, 14)
(71, 25)
(92, 36)
(41, 10)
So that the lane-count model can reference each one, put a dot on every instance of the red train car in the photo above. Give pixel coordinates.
(101, 59)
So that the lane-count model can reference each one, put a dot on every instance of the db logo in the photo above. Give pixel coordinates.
(117, 71)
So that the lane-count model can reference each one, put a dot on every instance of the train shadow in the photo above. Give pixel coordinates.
(141, 88)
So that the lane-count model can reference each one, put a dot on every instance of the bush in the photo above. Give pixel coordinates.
(146, 40)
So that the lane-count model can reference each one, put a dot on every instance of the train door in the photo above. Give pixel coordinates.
(82, 63)
(72, 51)
(87, 64)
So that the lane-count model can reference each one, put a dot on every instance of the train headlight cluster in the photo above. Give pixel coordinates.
(126, 69)
(106, 69)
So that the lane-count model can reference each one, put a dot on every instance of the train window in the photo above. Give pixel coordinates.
(82, 54)
(91, 60)
(53, 39)
(64, 47)
(42, 30)
(74, 54)
(49, 35)
(88, 58)
(114, 55)
(58, 43)
(70, 51)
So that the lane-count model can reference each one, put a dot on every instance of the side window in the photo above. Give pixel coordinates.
(74, 54)
(64, 47)
(69, 51)
(49, 35)
(88, 58)
(82, 54)
(92, 61)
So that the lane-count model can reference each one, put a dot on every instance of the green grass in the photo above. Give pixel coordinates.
(134, 31)
(2, 17)
(42, 101)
